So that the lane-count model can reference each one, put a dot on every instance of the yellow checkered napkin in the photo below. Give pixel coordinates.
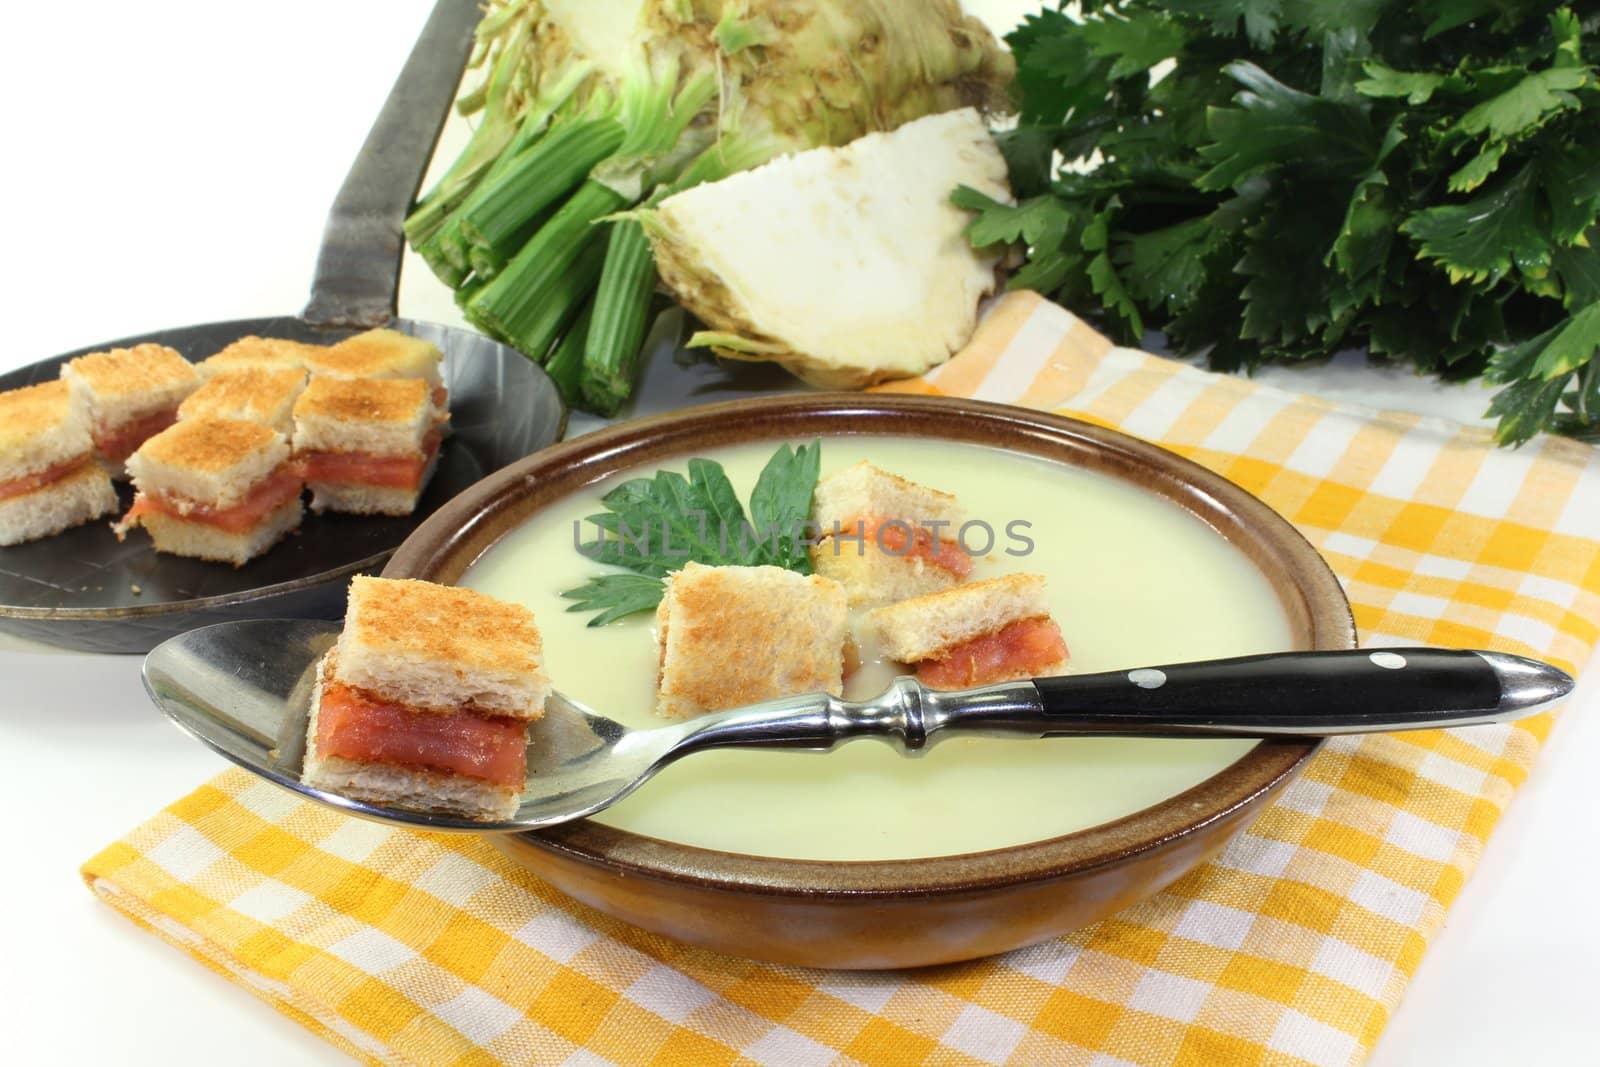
(1291, 948)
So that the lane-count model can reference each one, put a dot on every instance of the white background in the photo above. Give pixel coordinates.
(171, 162)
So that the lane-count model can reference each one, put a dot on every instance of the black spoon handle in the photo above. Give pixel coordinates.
(357, 282)
(1294, 694)
(1303, 693)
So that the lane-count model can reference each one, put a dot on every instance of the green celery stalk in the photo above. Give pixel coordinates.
(445, 252)
(497, 212)
(621, 308)
(543, 286)
(449, 246)
(468, 289)
(447, 271)
(565, 365)
(486, 264)
(498, 131)
(563, 301)
(436, 220)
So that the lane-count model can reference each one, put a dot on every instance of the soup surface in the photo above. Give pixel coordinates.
(1133, 580)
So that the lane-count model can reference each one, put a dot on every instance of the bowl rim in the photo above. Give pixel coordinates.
(455, 536)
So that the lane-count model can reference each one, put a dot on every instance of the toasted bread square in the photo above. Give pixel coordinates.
(856, 499)
(40, 427)
(411, 788)
(251, 393)
(178, 536)
(126, 384)
(442, 648)
(863, 491)
(379, 354)
(215, 462)
(258, 353)
(349, 498)
(384, 417)
(926, 626)
(872, 576)
(731, 636)
(71, 500)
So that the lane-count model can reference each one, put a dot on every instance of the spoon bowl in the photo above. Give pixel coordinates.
(244, 689)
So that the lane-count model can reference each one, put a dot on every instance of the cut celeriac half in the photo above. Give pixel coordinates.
(848, 266)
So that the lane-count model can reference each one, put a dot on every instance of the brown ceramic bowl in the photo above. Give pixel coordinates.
(901, 913)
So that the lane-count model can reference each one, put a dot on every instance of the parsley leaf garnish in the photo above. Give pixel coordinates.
(780, 506)
(653, 526)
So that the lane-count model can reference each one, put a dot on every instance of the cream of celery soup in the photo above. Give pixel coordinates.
(1133, 580)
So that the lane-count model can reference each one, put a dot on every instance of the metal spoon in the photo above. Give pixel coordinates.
(244, 688)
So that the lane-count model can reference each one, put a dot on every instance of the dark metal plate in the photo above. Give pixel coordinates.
(77, 589)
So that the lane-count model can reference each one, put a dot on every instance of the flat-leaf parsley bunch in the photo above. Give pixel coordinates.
(1419, 179)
